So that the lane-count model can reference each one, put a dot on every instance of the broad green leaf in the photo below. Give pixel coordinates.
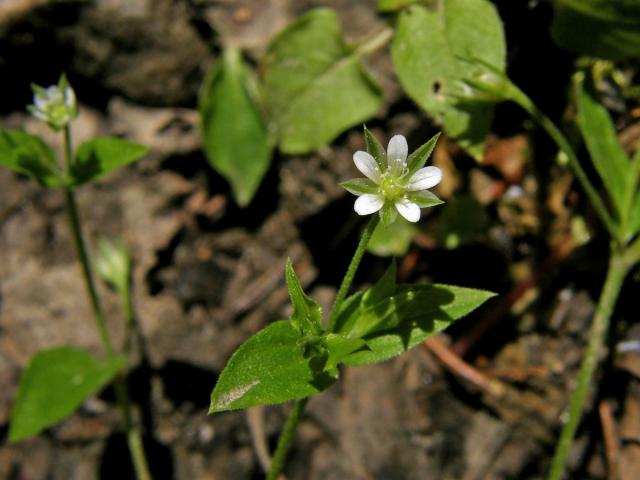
(29, 155)
(375, 149)
(428, 52)
(307, 313)
(55, 383)
(101, 156)
(268, 368)
(393, 239)
(315, 86)
(233, 130)
(383, 289)
(607, 154)
(413, 314)
(600, 28)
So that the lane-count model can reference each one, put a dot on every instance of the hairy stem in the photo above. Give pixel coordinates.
(351, 271)
(288, 433)
(618, 268)
(134, 436)
(527, 104)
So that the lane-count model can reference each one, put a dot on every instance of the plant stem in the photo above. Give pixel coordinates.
(351, 271)
(287, 435)
(134, 436)
(527, 104)
(286, 439)
(375, 42)
(618, 268)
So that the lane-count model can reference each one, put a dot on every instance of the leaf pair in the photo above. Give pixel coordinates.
(620, 174)
(313, 88)
(29, 155)
(290, 360)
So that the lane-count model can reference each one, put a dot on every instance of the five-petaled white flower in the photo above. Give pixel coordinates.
(55, 105)
(395, 182)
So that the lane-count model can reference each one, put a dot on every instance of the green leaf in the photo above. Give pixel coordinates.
(339, 348)
(359, 186)
(375, 149)
(419, 157)
(427, 54)
(233, 130)
(383, 289)
(55, 383)
(600, 28)
(315, 87)
(307, 313)
(101, 156)
(607, 154)
(393, 239)
(403, 321)
(268, 368)
(29, 155)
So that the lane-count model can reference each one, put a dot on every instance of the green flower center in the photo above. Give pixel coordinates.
(390, 187)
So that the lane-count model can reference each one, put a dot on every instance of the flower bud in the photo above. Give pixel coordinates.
(112, 263)
(55, 105)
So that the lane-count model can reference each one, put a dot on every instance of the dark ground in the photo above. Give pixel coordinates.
(208, 274)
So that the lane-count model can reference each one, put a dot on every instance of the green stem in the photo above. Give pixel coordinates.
(351, 271)
(286, 439)
(120, 385)
(375, 42)
(287, 435)
(618, 268)
(525, 102)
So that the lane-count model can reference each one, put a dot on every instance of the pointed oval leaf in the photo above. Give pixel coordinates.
(607, 154)
(413, 314)
(54, 385)
(29, 155)
(427, 53)
(101, 156)
(315, 87)
(307, 313)
(233, 130)
(268, 368)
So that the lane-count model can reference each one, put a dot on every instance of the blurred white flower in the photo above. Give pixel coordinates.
(55, 105)
(394, 182)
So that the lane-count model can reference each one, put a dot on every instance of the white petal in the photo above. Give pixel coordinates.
(397, 149)
(368, 203)
(408, 210)
(367, 165)
(424, 178)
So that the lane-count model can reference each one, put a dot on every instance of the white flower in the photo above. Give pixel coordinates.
(394, 182)
(55, 105)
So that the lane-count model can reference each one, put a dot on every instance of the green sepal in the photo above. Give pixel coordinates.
(388, 214)
(359, 186)
(375, 149)
(424, 198)
(419, 157)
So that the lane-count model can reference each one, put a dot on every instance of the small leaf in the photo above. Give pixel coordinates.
(29, 155)
(307, 313)
(419, 158)
(399, 323)
(55, 383)
(359, 186)
(383, 289)
(424, 199)
(375, 148)
(393, 239)
(233, 130)
(427, 53)
(268, 368)
(315, 86)
(599, 28)
(607, 154)
(101, 156)
(340, 347)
